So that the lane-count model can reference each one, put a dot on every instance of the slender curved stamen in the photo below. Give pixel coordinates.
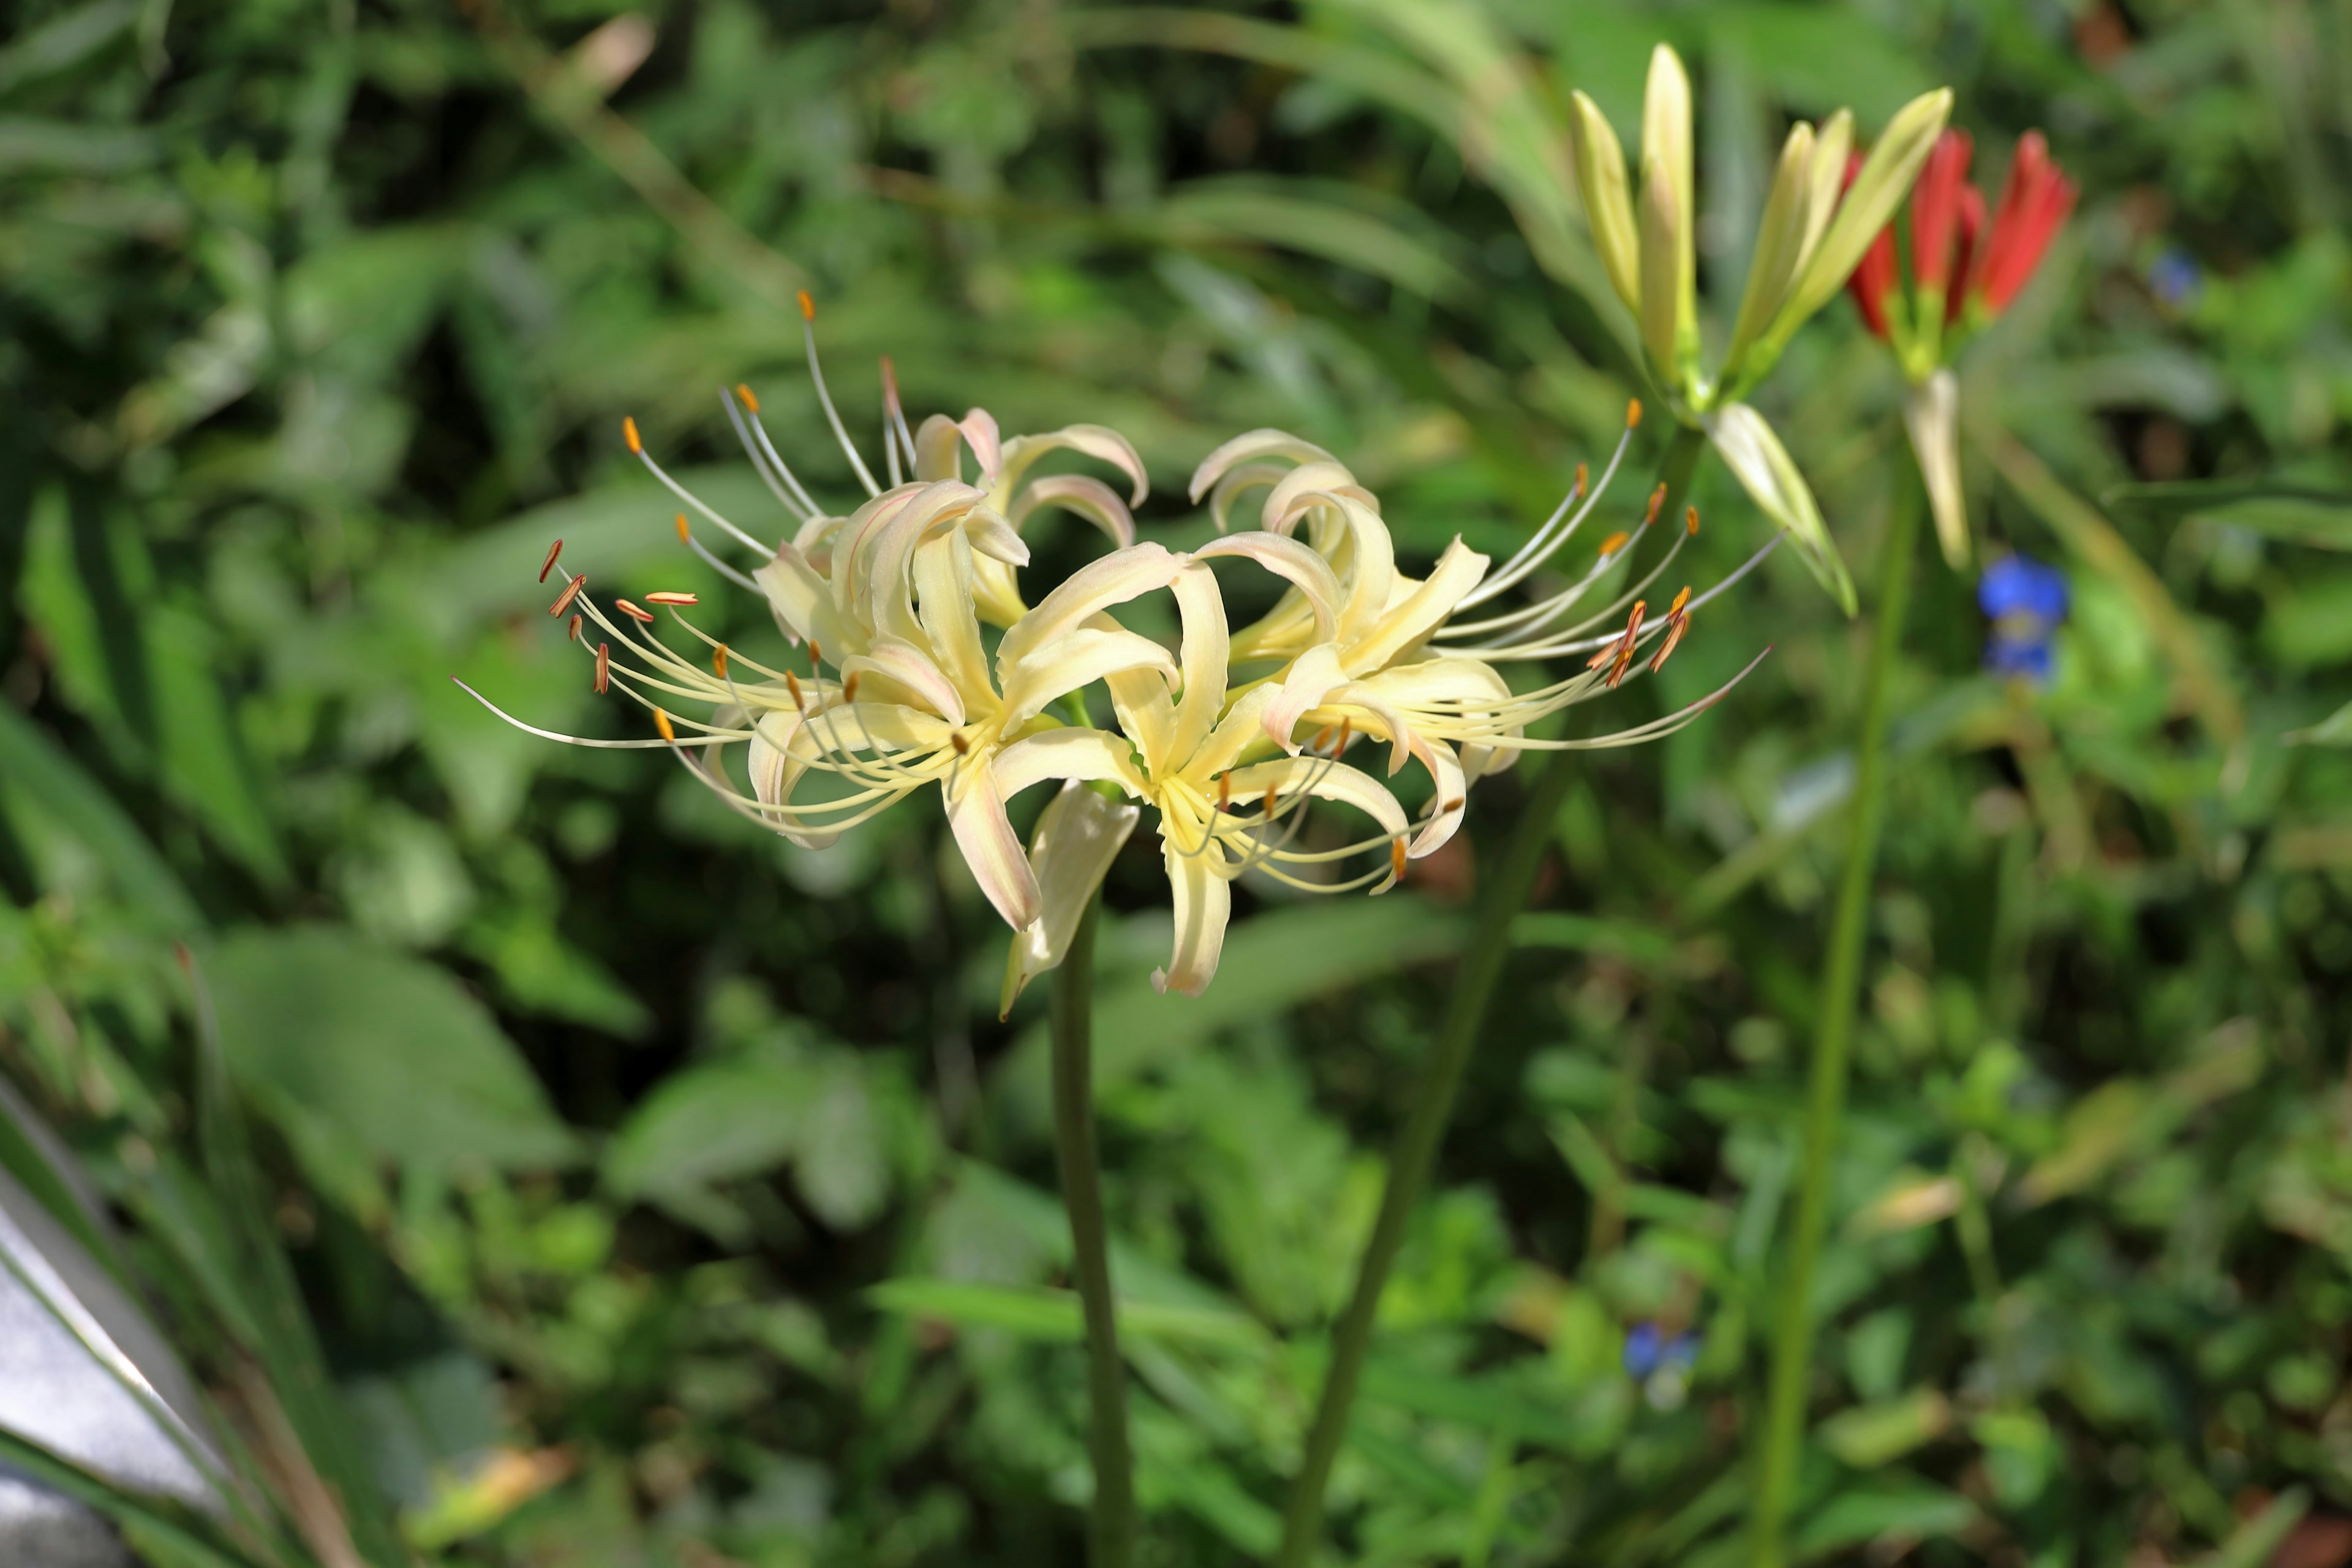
(764, 454)
(895, 416)
(1552, 650)
(685, 535)
(715, 738)
(1501, 648)
(1539, 549)
(638, 449)
(824, 398)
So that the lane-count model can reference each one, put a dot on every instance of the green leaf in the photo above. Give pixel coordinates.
(1043, 1313)
(1904, 1510)
(318, 1024)
(178, 1536)
(1271, 962)
(1869, 1436)
(44, 790)
(2277, 509)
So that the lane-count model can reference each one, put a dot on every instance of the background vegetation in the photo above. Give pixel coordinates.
(661, 1194)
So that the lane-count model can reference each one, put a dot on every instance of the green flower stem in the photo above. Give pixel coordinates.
(1111, 1530)
(1509, 883)
(1792, 1336)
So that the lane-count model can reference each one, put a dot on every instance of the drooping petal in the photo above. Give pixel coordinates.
(983, 831)
(1238, 483)
(1306, 572)
(903, 664)
(799, 599)
(1113, 579)
(1303, 687)
(1410, 621)
(1206, 653)
(1202, 903)
(1084, 754)
(1081, 495)
(1078, 836)
(938, 448)
(1450, 795)
(951, 621)
(980, 432)
(1096, 441)
(1247, 447)
(1325, 779)
(1076, 662)
(1307, 487)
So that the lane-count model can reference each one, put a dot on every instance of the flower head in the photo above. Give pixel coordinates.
(1817, 226)
(1963, 274)
(2027, 602)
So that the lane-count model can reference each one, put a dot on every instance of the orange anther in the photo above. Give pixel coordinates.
(1458, 802)
(1583, 476)
(1632, 413)
(604, 666)
(575, 629)
(570, 591)
(1613, 543)
(1273, 794)
(661, 722)
(719, 660)
(1680, 600)
(667, 596)
(685, 534)
(1225, 792)
(808, 307)
(1672, 640)
(629, 434)
(816, 656)
(631, 611)
(1690, 521)
(1347, 729)
(547, 565)
(849, 688)
(1396, 857)
(1657, 501)
(963, 747)
(793, 685)
(889, 382)
(744, 392)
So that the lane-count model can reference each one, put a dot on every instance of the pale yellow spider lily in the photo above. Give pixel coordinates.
(1397, 659)
(1220, 816)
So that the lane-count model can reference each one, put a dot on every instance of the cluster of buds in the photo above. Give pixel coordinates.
(894, 596)
(1963, 273)
(1816, 225)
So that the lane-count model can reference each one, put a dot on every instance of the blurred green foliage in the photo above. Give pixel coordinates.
(661, 1194)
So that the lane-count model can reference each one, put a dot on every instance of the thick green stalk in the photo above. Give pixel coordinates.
(1507, 885)
(1784, 1418)
(1111, 1529)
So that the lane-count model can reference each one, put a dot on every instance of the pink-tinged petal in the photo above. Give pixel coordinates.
(1374, 717)
(1304, 489)
(978, 427)
(1084, 754)
(1304, 569)
(996, 538)
(1206, 653)
(938, 448)
(1113, 579)
(976, 816)
(1240, 482)
(1202, 903)
(1081, 496)
(1311, 677)
(904, 665)
(1078, 836)
(1249, 448)
(1098, 441)
(1075, 663)
(1451, 793)
(1403, 626)
(776, 769)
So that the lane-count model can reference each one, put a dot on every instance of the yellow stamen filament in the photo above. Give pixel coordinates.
(570, 591)
(547, 565)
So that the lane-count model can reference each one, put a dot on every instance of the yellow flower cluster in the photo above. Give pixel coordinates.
(1229, 738)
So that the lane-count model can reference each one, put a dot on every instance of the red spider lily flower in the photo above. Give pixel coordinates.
(1873, 281)
(1935, 210)
(2033, 203)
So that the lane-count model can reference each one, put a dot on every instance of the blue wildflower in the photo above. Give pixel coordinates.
(2175, 279)
(1644, 1348)
(2027, 602)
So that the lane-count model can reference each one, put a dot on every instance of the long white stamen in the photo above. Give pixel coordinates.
(690, 498)
(832, 414)
(716, 738)
(1501, 648)
(1539, 549)
(796, 504)
(749, 425)
(1586, 644)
